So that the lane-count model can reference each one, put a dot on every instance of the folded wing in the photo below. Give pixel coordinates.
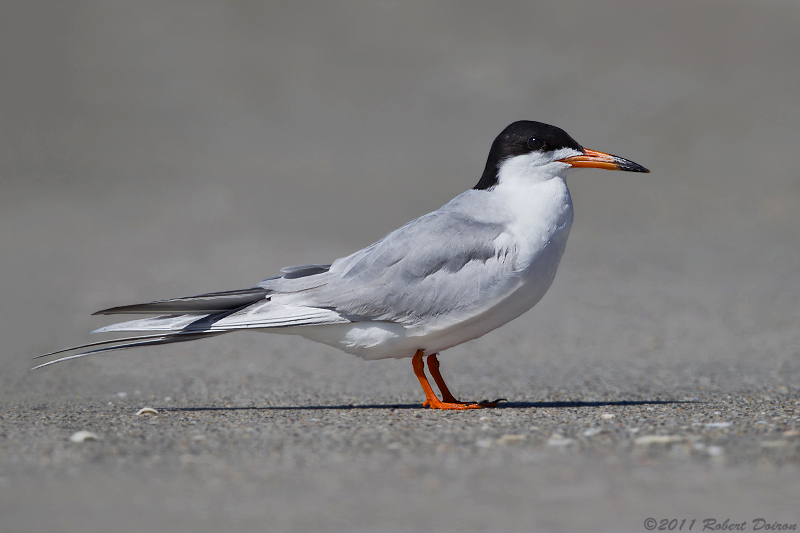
(444, 263)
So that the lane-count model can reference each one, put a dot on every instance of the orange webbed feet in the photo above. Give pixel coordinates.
(448, 401)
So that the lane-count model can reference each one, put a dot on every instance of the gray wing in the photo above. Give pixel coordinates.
(445, 262)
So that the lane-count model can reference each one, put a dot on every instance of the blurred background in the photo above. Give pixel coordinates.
(151, 150)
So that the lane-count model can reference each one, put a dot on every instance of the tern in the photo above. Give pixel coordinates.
(448, 277)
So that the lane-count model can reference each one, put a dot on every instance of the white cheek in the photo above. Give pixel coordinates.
(535, 167)
(520, 167)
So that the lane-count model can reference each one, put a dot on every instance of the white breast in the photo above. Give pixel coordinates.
(539, 220)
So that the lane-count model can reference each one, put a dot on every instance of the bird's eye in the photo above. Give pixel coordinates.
(535, 143)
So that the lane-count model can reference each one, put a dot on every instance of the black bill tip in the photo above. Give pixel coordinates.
(629, 166)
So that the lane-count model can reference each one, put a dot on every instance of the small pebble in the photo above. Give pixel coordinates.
(772, 443)
(607, 416)
(82, 436)
(719, 424)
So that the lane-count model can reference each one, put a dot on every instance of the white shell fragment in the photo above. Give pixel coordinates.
(146, 411)
(591, 432)
(508, 439)
(82, 436)
(559, 441)
(658, 439)
(607, 416)
(715, 451)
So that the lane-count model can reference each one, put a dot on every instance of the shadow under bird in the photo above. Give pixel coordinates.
(448, 277)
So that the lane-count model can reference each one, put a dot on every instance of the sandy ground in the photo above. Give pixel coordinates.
(154, 150)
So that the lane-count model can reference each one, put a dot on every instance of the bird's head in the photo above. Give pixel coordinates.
(536, 151)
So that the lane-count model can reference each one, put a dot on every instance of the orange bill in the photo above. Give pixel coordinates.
(593, 159)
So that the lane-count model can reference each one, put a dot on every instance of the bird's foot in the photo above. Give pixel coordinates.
(448, 401)
(436, 403)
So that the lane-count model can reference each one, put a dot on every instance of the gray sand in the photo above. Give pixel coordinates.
(149, 151)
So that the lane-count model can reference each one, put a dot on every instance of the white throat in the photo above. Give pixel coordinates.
(533, 193)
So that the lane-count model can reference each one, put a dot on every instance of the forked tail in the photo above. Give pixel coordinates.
(186, 319)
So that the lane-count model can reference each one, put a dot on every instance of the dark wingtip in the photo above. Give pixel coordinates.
(125, 309)
(201, 304)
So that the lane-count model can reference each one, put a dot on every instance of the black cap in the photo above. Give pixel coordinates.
(523, 137)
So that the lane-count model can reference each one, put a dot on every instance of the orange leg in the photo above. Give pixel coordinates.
(447, 397)
(433, 366)
(431, 399)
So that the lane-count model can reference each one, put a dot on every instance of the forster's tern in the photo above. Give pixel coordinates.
(445, 278)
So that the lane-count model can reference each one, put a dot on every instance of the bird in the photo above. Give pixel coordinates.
(445, 278)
